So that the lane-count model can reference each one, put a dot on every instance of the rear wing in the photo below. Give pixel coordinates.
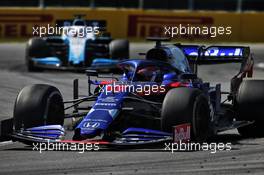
(215, 54)
(221, 54)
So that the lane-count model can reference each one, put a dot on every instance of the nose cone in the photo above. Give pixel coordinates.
(96, 122)
(80, 134)
(76, 50)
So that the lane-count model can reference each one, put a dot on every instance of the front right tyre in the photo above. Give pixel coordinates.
(186, 105)
(119, 49)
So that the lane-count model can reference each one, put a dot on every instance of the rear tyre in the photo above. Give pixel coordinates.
(249, 105)
(119, 49)
(38, 105)
(252, 130)
(184, 105)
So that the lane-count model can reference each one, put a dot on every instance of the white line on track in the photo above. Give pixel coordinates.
(6, 143)
(260, 65)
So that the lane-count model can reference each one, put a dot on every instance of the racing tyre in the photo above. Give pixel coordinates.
(185, 105)
(249, 105)
(35, 48)
(38, 105)
(119, 49)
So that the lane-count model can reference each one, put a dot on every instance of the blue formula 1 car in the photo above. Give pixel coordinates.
(148, 103)
(79, 45)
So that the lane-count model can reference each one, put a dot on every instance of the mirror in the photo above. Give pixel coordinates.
(170, 76)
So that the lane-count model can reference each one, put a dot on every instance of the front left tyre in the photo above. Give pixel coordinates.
(38, 105)
(35, 48)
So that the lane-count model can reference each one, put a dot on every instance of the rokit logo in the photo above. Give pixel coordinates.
(141, 26)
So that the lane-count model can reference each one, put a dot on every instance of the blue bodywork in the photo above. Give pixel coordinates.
(48, 132)
(80, 44)
(215, 52)
(76, 55)
(104, 62)
(109, 104)
(102, 114)
(55, 61)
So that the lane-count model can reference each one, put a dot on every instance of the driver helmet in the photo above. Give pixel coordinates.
(146, 74)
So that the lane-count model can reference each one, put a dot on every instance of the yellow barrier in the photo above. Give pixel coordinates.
(136, 24)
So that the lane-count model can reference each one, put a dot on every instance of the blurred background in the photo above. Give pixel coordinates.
(137, 19)
(227, 5)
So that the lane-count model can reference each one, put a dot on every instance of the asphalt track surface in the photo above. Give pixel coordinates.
(246, 156)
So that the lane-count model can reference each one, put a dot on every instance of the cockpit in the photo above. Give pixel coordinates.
(79, 22)
(170, 54)
(146, 72)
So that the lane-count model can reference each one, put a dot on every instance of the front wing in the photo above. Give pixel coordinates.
(131, 137)
(54, 63)
(56, 134)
